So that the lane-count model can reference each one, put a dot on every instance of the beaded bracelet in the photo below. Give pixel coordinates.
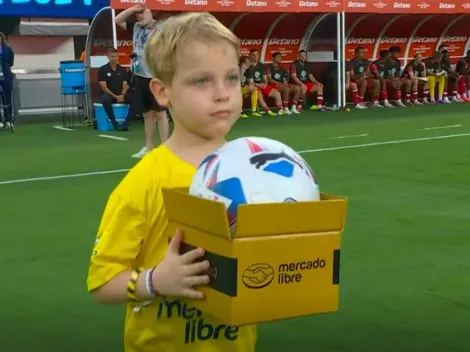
(149, 283)
(132, 285)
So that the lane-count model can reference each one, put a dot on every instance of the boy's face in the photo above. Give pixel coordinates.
(205, 95)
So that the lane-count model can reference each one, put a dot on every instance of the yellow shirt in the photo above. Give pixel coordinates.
(132, 235)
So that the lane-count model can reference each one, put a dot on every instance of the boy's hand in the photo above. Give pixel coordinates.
(178, 275)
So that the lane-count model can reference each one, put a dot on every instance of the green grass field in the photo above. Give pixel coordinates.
(405, 267)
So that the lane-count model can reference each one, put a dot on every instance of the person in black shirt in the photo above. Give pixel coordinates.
(451, 78)
(463, 70)
(379, 70)
(435, 74)
(113, 80)
(415, 72)
(360, 72)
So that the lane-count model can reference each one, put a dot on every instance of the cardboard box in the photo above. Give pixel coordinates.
(282, 262)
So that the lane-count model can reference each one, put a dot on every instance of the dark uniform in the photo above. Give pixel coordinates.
(302, 71)
(257, 73)
(359, 67)
(434, 66)
(392, 69)
(378, 67)
(418, 70)
(277, 73)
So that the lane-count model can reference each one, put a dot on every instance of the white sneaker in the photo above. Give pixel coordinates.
(141, 153)
(9, 124)
(294, 110)
(287, 111)
(387, 104)
(2, 125)
(457, 99)
(400, 104)
(426, 101)
(376, 104)
(446, 100)
(361, 106)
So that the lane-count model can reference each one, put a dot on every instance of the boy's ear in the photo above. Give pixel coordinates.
(160, 92)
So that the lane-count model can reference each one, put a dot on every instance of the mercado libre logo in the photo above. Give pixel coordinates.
(261, 275)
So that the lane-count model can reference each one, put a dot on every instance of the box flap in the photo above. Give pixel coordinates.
(257, 220)
(205, 215)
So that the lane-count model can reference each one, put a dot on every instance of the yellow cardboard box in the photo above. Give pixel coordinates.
(282, 262)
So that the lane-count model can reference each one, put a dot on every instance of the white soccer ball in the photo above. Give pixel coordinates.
(254, 170)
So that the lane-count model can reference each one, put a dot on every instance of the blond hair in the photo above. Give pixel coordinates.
(177, 32)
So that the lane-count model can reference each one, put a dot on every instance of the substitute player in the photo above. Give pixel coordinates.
(452, 79)
(395, 80)
(278, 78)
(257, 74)
(302, 76)
(194, 62)
(152, 112)
(463, 70)
(413, 74)
(248, 88)
(379, 71)
(435, 75)
(360, 72)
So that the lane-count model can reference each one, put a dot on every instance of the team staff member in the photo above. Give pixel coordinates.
(278, 78)
(112, 78)
(379, 70)
(414, 70)
(361, 75)
(194, 62)
(435, 74)
(302, 76)
(152, 112)
(257, 74)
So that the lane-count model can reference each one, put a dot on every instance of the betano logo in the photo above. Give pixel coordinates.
(424, 40)
(256, 3)
(109, 42)
(360, 41)
(195, 2)
(354, 4)
(251, 42)
(283, 41)
(308, 4)
(445, 5)
(196, 329)
(454, 39)
(401, 5)
(393, 40)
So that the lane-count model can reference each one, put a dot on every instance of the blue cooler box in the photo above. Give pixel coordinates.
(72, 77)
(103, 123)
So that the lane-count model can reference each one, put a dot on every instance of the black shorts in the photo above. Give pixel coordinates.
(144, 96)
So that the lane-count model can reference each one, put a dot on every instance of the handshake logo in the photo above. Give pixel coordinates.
(258, 275)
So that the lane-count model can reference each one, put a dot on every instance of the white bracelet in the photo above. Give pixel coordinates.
(148, 280)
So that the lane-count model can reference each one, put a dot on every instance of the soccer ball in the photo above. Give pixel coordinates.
(254, 170)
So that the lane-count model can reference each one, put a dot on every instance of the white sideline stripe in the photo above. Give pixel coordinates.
(63, 128)
(351, 136)
(399, 141)
(438, 127)
(113, 137)
(353, 146)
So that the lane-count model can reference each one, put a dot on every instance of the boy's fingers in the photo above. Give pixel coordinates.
(175, 242)
(197, 280)
(197, 268)
(191, 256)
(193, 294)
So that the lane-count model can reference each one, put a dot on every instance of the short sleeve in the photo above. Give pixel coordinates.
(101, 74)
(121, 233)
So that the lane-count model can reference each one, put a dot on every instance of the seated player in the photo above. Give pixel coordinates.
(257, 74)
(352, 86)
(302, 77)
(112, 78)
(247, 89)
(463, 70)
(361, 75)
(278, 79)
(378, 69)
(415, 74)
(452, 78)
(435, 75)
(396, 81)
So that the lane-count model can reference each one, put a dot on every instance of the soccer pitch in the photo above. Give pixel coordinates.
(404, 267)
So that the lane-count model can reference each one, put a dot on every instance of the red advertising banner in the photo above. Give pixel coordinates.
(350, 6)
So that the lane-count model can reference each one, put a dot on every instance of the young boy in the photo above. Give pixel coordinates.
(194, 62)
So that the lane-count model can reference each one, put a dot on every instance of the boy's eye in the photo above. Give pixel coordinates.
(234, 78)
(201, 81)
